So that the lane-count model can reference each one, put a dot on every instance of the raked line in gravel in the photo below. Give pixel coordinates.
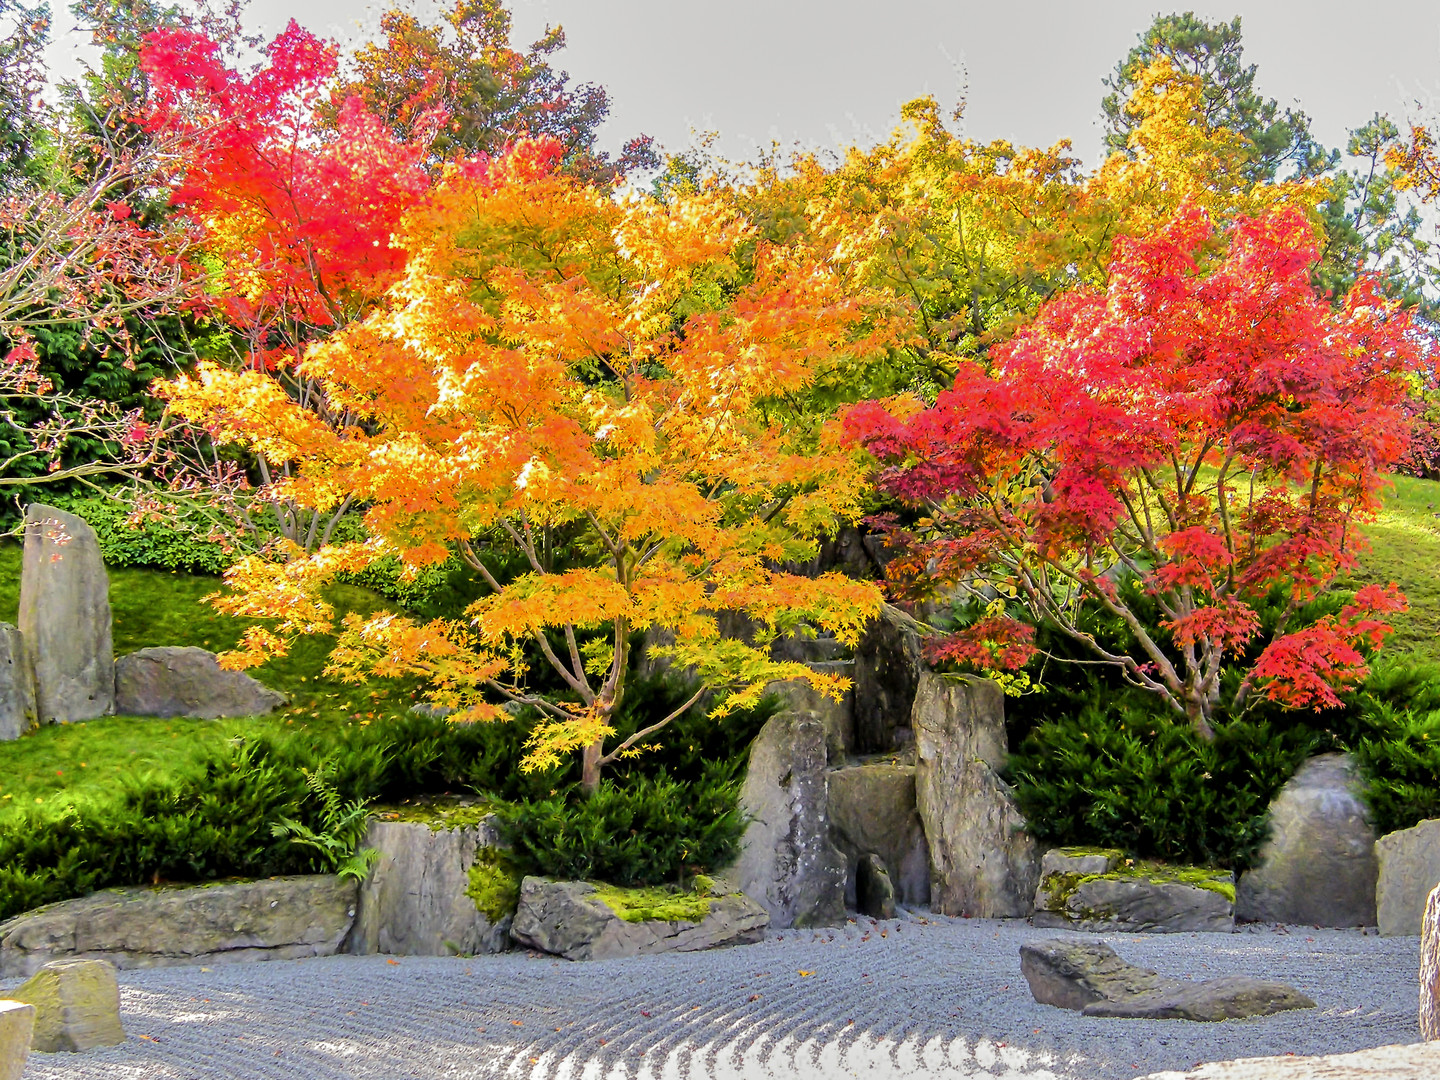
(923, 996)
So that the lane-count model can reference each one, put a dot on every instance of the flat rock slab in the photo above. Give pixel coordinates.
(1092, 891)
(1412, 1061)
(567, 918)
(181, 680)
(277, 918)
(1409, 868)
(17, 1024)
(77, 1006)
(1088, 977)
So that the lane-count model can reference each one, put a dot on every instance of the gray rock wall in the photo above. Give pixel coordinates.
(888, 666)
(17, 688)
(65, 617)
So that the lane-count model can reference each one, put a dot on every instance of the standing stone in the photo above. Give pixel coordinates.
(17, 1026)
(415, 901)
(888, 666)
(798, 695)
(1409, 862)
(874, 892)
(1430, 969)
(182, 680)
(788, 863)
(873, 812)
(77, 1006)
(65, 617)
(17, 689)
(983, 863)
(1318, 866)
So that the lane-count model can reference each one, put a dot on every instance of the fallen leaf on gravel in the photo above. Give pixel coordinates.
(395, 962)
(806, 974)
(518, 1023)
(754, 997)
(642, 1013)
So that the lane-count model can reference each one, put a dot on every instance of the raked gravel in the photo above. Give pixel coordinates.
(923, 996)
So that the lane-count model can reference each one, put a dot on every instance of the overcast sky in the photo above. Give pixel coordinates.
(835, 72)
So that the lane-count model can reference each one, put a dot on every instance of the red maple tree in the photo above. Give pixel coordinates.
(1212, 432)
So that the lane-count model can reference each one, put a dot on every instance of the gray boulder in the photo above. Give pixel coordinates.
(1411, 1061)
(1409, 868)
(788, 863)
(181, 680)
(416, 901)
(275, 919)
(1318, 866)
(1093, 891)
(1088, 977)
(873, 811)
(837, 716)
(888, 666)
(17, 1025)
(65, 617)
(77, 1006)
(1430, 968)
(983, 863)
(874, 891)
(570, 919)
(17, 688)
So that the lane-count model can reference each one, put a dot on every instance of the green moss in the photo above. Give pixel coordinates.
(1059, 887)
(494, 884)
(1081, 852)
(657, 902)
(439, 816)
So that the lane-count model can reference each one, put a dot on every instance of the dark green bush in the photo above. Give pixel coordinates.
(1398, 712)
(167, 543)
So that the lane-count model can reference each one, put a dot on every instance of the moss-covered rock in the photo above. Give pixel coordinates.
(1100, 890)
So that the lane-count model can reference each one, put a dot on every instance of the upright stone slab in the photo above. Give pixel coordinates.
(983, 863)
(837, 716)
(1430, 969)
(65, 617)
(888, 666)
(1318, 866)
(17, 689)
(415, 901)
(1409, 862)
(873, 812)
(17, 1025)
(788, 863)
(77, 1006)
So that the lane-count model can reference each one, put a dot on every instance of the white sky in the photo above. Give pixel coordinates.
(833, 72)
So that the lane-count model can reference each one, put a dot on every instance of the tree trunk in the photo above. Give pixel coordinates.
(1199, 718)
(590, 767)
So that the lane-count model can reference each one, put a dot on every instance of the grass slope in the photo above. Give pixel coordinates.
(1405, 548)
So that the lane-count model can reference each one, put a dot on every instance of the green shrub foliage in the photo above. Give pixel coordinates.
(1399, 750)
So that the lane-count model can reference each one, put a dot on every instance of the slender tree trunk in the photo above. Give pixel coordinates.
(590, 767)
(1198, 714)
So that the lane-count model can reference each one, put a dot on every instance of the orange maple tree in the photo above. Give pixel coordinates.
(556, 363)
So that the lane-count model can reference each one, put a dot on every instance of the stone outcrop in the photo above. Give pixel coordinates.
(1408, 865)
(17, 688)
(274, 919)
(888, 666)
(1100, 891)
(181, 680)
(874, 891)
(983, 863)
(569, 919)
(1088, 977)
(797, 695)
(788, 863)
(77, 1006)
(873, 812)
(17, 1024)
(415, 901)
(1412, 1061)
(65, 617)
(1318, 866)
(1430, 969)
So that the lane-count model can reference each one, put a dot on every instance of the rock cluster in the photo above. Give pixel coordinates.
(77, 1006)
(276, 918)
(570, 919)
(1089, 977)
(1101, 891)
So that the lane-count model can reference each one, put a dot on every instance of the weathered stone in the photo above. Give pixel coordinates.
(17, 1026)
(888, 666)
(797, 695)
(1079, 861)
(982, 861)
(1409, 868)
(1071, 974)
(803, 648)
(181, 680)
(415, 901)
(1412, 1061)
(1231, 997)
(872, 810)
(568, 918)
(788, 863)
(1135, 899)
(65, 617)
(1430, 968)
(1318, 866)
(274, 919)
(1087, 976)
(77, 1006)
(17, 688)
(874, 891)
